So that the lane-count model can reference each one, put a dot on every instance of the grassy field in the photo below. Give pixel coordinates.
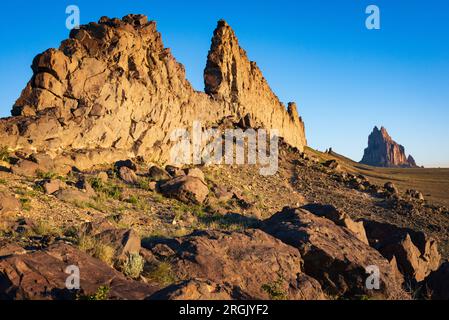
(433, 183)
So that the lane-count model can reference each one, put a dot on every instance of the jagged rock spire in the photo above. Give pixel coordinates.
(113, 91)
(383, 151)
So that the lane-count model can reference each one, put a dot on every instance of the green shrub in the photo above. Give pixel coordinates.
(133, 266)
(4, 154)
(102, 293)
(108, 189)
(97, 249)
(161, 273)
(275, 290)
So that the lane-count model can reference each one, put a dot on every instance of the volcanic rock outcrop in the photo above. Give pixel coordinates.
(112, 91)
(382, 151)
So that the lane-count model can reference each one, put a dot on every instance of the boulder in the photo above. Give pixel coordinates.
(25, 168)
(196, 289)
(332, 164)
(175, 171)
(415, 194)
(436, 285)
(128, 176)
(157, 174)
(124, 241)
(52, 186)
(186, 189)
(196, 172)
(416, 254)
(222, 193)
(340, 218)
(334, 256)
(9, 203)
(252, 264)
(41, 275)
(72, 196)
(391, 188)
(125, 163)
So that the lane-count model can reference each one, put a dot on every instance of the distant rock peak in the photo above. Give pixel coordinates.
(383, 151)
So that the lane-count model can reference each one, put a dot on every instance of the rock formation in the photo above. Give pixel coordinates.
(382, 151)
(112, 91)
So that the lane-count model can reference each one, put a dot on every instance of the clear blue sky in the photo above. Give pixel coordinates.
(345, 78)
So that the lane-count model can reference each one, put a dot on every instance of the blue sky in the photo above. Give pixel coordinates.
(346, 79)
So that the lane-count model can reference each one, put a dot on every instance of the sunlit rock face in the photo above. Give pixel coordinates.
(112, 91)
(382, 151)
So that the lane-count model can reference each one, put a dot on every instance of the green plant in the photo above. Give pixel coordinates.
(4, 154)
(161, 273)
(46, 175)
(44, 228)
(97, 249)
(26, 203)
(3, 181)
(108, 189)
(275, 290)
(102, 293)
(133, 266)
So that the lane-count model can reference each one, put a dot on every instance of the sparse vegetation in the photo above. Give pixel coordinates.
(4, 154)
(275, 290)
(45, 228)
(102, 293)
(108, 189)
(133, 266)
(97, 249)
(161, 273)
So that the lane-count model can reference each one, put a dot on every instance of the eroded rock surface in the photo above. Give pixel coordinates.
(112, 91)
(333, 255)
(252, 264)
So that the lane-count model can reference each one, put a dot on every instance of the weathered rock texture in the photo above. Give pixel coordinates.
(41, 275)
(112, 91)
(416, 254)
(334, 256)
(382, 151)
(250, 265)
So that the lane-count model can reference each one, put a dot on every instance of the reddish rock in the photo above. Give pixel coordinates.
(9, 203)
(340, 218)
(248, 263)
(196, 289)
(186, 189)
(382, 151)
(334, 256)
(41, 275)
(416, 254)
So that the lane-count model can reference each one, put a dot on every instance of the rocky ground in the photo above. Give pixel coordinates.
(140, 231)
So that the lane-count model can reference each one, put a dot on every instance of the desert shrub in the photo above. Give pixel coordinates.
(4, 154)
(26, 203)
(133, 266)
(109, 189)
(45, 228)
(102, 293)
(275, 290)
(97, 249)
(161, 273)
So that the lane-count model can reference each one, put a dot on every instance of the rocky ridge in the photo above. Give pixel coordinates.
(113, 91)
